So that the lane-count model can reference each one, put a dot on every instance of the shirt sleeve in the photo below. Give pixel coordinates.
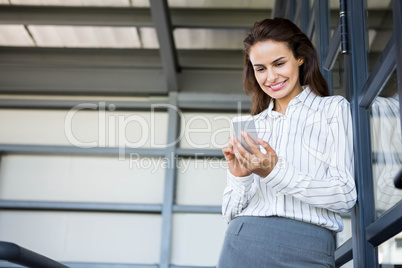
(236, 195)
(335, 190)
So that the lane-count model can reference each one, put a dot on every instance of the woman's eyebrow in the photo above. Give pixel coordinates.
(278, 59)
(262, 65)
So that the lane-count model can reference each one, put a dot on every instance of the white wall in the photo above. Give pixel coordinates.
(112, 237)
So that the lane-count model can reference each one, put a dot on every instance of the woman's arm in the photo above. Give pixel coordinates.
(236, 195)
(335, 190)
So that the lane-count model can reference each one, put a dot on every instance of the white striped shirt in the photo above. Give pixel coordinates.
(313, 179)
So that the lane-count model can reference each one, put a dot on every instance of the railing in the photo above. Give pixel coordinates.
(19, 255)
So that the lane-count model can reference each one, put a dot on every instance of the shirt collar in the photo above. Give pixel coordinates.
(306, 97)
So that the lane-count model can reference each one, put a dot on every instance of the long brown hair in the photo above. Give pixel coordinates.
(283, 31)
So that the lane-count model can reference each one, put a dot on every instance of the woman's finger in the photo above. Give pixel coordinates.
(266, 146)
(228, 153)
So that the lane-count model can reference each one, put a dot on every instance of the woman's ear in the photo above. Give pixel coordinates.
(301, 61)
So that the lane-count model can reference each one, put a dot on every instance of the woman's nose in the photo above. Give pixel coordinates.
(271, 76)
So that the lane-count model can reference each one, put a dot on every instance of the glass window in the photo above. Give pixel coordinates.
(85, 237)
(82, 179)
(380, 27)
(386, 145)
(206, 130)
(338, 76)
(349, 264)
(201, 181)
(343, 236)
(390, 252)
(197, 239)
(83, 127)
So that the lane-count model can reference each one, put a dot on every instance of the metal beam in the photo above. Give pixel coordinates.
(311, 24)
(304, 14)
(161, 19)
(141, 17)
(397, 9)
(279, 9)
(85, 57)
(91, 265)
(216, 101)
(386, 227)
(81, 80)
(128, 16)
(170, 184)
(379, 76)
(68, 150)
(322, 36)
(79, 206)
(290, 10)
(199, 153)
(187, 101)
(78, 16)
(46, 103)
(197, 209)
(364, 254)
(344, 253)
(118, 58)
(333, 50)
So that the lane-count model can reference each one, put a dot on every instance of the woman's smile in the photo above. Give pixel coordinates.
(277, 86)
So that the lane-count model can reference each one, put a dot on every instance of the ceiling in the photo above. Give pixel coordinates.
(136, 47)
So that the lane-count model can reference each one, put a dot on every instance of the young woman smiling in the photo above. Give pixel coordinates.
(283, 201)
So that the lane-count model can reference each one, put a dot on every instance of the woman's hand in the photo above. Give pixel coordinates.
(242, 163)
(235, 167)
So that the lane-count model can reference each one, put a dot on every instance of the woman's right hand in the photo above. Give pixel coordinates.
(235, 166)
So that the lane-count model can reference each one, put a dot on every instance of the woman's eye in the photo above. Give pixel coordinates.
(259, 69)
(279, 64)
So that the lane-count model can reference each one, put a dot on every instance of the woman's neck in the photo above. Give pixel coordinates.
(280, 106)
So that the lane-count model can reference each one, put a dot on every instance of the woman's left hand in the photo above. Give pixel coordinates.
(257, 162)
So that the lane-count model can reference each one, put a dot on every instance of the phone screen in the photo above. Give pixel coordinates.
(246, 124)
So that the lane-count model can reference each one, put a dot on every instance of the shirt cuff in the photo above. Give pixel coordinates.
(240, 184)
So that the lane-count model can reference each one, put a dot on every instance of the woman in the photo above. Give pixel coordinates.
(283, 201)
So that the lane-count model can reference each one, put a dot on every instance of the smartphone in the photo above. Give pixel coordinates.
(246, 124)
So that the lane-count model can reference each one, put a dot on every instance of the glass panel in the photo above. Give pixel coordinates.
(82, 179)
(380, 27)
(197, 239)
(386, 146)
(206, 130)
(85, 36)
(338, 76)
(119, 3)
(390, 252)
(243, 4)
(83, 127)
(349, 264)
(85, 237)
(343, 236)
(209, 38)
(197, 177)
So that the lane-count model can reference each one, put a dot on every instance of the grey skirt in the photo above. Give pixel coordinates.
(257, 242)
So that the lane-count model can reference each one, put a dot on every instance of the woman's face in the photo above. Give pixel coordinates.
(276, 70)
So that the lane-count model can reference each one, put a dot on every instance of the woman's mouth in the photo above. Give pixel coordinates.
(277, 86)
